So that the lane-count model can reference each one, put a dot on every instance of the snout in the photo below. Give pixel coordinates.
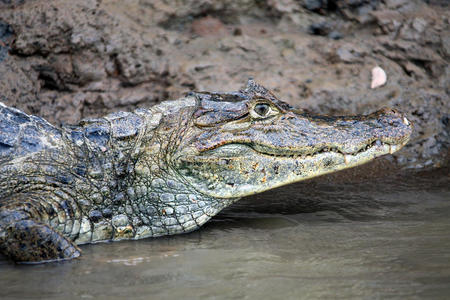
(392, 116)
(393, 126)
(352, 134)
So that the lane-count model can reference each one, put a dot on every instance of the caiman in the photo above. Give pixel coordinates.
(167, 169)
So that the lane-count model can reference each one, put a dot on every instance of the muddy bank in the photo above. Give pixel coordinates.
(68, 60)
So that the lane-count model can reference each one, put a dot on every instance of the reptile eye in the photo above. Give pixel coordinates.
(262, 109)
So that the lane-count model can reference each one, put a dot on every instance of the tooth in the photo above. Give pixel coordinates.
(392, 148)
(347, 159)
(405, 121)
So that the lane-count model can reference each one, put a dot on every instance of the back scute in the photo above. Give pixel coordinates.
(22, 134)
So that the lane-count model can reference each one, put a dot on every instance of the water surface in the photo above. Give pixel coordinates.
(386, 238)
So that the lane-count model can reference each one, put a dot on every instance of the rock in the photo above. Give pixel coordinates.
(379, 77)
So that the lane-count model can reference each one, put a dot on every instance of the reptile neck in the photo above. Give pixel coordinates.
(127, 188)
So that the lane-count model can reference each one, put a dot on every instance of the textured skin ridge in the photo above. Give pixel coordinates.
(21, 134)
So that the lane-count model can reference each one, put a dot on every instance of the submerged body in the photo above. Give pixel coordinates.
(167, 169)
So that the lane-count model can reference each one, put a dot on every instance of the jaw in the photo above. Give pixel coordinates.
(237, 170)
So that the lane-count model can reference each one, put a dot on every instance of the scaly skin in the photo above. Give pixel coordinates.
(168, 169)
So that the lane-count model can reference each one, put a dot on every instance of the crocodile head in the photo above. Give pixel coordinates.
(247, 142)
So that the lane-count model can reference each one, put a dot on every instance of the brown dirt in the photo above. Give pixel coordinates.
(67, 60)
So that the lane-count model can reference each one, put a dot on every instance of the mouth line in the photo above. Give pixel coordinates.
(376, 147)
(376, 143)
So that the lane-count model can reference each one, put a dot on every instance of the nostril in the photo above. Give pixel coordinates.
(391, 117)
(390, 112)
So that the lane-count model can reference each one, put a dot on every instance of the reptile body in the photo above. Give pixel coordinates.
(167, 169)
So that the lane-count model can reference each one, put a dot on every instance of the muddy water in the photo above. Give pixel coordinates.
(388, 239)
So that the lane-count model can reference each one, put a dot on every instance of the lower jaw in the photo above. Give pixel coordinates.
(289, 170)
(303, 168)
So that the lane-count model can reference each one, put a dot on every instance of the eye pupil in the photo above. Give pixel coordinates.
(262, 109)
